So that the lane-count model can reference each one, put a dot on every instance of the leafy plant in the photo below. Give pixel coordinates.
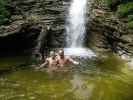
(4, 14)
(125, 9)
(112, 4)
(130, 17)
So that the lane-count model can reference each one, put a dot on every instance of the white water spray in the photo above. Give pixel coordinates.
(75, 28)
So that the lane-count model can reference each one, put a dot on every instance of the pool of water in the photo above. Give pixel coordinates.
(102, 79)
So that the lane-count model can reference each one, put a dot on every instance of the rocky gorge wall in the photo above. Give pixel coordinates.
(42, 23)
(33, 21)
(108, 32)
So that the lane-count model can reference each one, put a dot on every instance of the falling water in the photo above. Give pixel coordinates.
(75, 28)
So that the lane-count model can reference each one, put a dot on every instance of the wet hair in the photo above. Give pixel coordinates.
(61, 51)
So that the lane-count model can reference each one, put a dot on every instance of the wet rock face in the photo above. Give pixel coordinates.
(18, 38)
(51, 13)
(108, 32)
(27, 16)
(105, 32)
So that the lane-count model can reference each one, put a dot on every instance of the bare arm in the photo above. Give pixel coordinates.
(44, 64)
(73, 61)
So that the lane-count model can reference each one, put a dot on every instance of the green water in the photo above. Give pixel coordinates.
(105, 79)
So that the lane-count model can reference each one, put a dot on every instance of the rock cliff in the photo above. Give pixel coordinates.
(32, 19)
(107, 31)
(41, 24)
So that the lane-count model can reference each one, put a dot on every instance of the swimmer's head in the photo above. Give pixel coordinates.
(61, 52)
(52, 54)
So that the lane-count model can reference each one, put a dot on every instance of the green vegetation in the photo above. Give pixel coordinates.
(4, 14)
(123, 8)
(112, 3)
(130, 17)
(130, 24)
(115, 3)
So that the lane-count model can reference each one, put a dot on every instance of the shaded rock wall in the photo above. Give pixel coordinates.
(49, 13)
(108, 32)
(18, 38)
(27, 16)
(40, 24)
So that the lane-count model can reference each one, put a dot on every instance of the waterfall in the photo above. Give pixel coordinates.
(75, 28)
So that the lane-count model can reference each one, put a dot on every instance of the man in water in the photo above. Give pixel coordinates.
(51, 61)
(64, 60)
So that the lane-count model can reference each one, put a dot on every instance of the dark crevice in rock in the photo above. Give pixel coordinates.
(22, 34)
(20, 41)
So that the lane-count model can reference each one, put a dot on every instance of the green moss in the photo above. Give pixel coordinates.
(130, 24)
(125, 9)
(130, 18)
(4, 14)
(112, 3)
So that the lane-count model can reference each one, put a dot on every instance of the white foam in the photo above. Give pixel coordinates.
(79, 52)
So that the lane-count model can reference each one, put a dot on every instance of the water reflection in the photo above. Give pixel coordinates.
(80, 88)
(89, 82)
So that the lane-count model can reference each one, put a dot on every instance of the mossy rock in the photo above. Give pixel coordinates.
(130, 24)
(125, 9)
(4, 14)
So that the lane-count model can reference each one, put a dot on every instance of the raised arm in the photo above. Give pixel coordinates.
(44, 64)
(73, 61)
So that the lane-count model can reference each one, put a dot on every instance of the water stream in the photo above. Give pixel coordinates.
(76, 30)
